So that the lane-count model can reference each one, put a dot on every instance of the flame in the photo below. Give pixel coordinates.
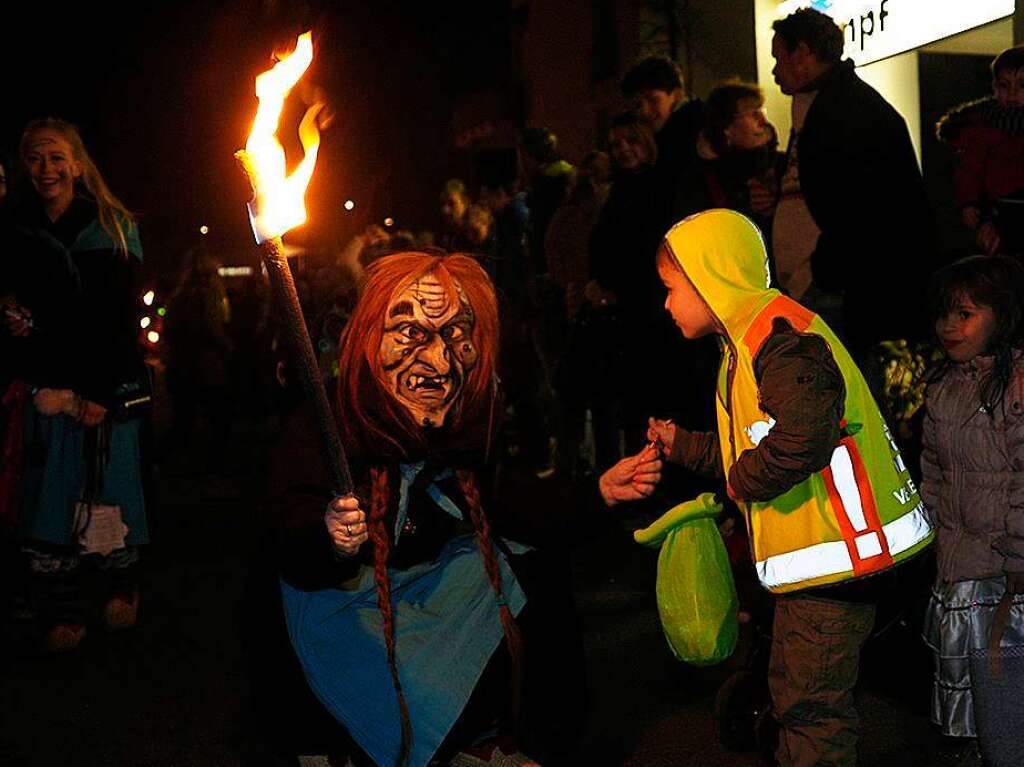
(278, 203)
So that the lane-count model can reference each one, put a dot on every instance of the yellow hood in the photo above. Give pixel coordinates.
(722, 253)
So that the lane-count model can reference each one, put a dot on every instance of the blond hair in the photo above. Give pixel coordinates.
(116, 220)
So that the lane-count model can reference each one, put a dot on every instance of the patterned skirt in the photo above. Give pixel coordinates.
(957, 627)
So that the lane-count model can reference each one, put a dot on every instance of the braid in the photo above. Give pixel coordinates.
(513, 636)
(378, 532)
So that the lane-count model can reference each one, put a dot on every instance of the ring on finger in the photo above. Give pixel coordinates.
(348, 529)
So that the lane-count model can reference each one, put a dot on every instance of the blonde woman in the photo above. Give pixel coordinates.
(78, 248)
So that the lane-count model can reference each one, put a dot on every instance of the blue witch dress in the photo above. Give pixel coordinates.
(56, 457)
(447, 626)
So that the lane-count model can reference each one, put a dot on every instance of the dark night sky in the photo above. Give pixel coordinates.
(163, 94)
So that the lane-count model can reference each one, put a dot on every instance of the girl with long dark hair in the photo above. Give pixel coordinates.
(974, 488)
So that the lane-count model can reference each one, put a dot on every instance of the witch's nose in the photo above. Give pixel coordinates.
(435, 354)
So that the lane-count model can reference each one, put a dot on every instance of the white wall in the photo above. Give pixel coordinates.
(776, 102)
(987, 40)
(896, 78)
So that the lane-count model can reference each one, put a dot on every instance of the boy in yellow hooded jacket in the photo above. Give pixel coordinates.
(806, 454)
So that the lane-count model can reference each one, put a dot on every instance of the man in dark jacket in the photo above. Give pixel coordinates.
(853, 232)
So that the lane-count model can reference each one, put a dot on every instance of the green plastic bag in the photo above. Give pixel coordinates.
(696, 594)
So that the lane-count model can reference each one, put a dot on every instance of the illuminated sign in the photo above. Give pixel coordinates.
(877, 29)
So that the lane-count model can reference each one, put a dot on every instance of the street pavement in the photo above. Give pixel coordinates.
(170, 692)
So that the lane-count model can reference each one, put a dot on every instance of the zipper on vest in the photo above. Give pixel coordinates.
(730, 373)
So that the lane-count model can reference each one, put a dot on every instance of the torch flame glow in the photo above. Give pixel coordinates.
(279, 200)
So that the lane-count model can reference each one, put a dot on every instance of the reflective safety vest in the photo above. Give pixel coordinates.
(859, 515)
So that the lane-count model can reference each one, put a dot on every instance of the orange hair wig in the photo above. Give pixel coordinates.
(371, 420)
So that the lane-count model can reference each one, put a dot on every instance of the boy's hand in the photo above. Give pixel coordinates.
(346, 524)
(662, 433)
(631, 478)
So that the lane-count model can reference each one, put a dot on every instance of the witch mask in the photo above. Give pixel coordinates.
(427, 349)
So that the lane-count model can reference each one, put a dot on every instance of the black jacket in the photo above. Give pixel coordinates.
(624, 243)
(677, 143)
(863, 186)
(82, 303)
(299, 491)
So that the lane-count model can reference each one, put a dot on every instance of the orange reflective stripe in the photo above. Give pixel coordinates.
(863, 534)
(780, 306)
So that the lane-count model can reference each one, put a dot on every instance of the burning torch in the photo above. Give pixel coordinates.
(278, 205)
